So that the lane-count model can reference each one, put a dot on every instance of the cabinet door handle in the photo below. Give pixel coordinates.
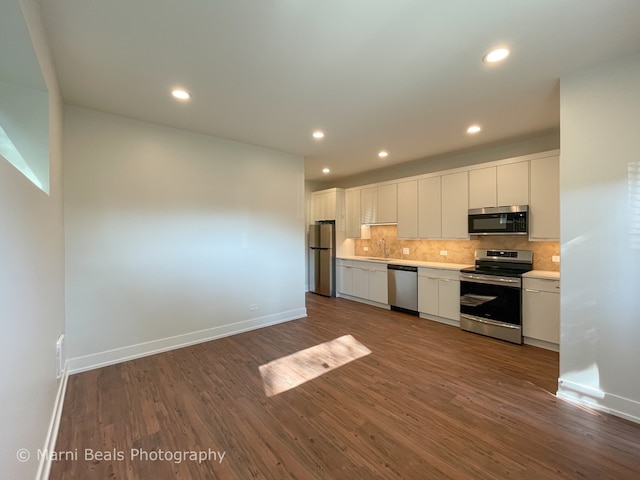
(445, 280)
(532, 291)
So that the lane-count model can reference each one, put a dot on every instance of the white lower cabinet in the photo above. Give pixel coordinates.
(439, 293)
(541, 312)
(344, 277)
(365, 280)
(428, 294)
(449, 297)
(360, 281)
(378, 286)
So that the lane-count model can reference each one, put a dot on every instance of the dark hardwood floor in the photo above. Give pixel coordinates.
(430, 402)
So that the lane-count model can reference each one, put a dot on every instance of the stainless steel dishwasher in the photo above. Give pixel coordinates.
(403, 288)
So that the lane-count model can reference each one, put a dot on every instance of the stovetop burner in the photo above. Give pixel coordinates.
(504, 263)
(495, 271)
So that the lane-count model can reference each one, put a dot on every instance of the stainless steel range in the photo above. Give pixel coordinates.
(491, 293)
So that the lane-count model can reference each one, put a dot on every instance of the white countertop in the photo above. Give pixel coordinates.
(413, 263)
(546, 274)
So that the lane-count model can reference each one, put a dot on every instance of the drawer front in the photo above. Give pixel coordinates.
(541, 284)
(343, 263)
(449, 274)
(438, 273)
(422, 271)
(375, 266)
(428, 272)
(359, 264)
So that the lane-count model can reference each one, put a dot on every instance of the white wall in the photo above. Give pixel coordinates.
(171, 236)
(31, 287)
(600, 237)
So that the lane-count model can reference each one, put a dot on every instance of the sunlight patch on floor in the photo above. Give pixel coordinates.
(288, 372)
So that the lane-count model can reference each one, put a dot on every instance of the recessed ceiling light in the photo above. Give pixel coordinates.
(325, 170)
(181, 94)
(318, 134)
(383, 154)
(473, 129)
(496, 55)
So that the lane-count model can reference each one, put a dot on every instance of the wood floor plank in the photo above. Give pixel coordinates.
(430, 401)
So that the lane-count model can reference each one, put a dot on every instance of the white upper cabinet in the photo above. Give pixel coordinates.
(369, 205)
(408, 209)
(443, 206)
(329, 205)
(388, 203)
(498, 186)
(513, 184)
(435, 206)
(482, 187)
(379, 204)
(544, 208)
(429, 208)
(352, 203)
(455, 205)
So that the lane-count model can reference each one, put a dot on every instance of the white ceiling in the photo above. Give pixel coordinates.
(400, 75)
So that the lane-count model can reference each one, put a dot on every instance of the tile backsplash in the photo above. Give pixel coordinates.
(458, 251)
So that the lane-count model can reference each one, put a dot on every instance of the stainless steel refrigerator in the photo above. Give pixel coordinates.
(322, 258)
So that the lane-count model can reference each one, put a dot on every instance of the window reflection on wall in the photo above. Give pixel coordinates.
(633, 179)
(24, 102)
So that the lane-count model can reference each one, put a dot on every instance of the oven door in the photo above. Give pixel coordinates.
(491, 305)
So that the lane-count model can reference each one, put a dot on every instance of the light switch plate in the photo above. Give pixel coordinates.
(405, 251)
(366, 249)
(555, 258)
(443, 253)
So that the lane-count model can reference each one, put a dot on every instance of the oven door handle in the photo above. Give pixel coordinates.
(490, 279)
(489, 322)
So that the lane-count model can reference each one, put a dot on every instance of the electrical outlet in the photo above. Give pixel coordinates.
(555, 258)
(443, 253)
(253, 306)
(366, 249)
(405, 251)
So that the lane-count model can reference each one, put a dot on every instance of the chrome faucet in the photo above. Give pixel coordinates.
(384, 249)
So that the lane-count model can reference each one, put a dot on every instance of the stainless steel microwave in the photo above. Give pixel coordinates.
(509, 220)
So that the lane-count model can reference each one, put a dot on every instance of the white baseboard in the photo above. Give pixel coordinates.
(446, 321)
(44, 467)
(364, 300)
(534, 342)
(123, 354)
(598, 400)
